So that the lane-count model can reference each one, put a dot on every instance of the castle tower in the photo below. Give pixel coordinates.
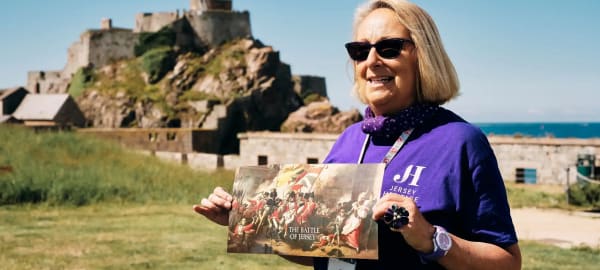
(106, 24)
(207, 5)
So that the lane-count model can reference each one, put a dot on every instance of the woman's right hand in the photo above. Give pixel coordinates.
(216, 207)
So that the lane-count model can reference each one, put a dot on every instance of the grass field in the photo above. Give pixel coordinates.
(71, 202)
(115, 236)
(169, 236)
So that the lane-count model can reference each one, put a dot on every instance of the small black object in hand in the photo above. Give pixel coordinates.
(395, 217)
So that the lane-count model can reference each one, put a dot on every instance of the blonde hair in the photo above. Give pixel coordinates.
(437, 81)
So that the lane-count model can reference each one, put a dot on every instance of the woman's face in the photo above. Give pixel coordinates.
(387, 85)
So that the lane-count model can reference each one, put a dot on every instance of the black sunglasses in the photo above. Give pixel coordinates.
(387, 48)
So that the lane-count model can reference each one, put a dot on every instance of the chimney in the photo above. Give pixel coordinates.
(106, 24)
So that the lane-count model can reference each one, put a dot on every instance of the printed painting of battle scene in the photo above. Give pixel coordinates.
(317, 210)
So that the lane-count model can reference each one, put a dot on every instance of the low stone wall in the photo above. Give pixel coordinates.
(272, 148)
(553, 159)
(180, 140)
(550, 157)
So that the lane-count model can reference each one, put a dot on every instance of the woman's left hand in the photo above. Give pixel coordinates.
(418, 232)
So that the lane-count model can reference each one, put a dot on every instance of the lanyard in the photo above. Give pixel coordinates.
(392, 152)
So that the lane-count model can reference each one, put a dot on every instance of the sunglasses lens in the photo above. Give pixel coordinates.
(358, 51)
(389, 48)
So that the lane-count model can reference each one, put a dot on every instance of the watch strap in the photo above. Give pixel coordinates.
(438, 251)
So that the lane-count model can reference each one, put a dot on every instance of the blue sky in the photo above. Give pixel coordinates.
(518, 61)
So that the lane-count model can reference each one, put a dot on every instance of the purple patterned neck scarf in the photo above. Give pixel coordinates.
(392, 125)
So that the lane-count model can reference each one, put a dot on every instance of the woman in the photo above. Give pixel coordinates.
(440, 169)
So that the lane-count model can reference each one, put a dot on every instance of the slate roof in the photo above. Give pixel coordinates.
(40, 107)
(7, 92)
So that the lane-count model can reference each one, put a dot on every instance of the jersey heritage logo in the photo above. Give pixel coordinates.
(408, 173)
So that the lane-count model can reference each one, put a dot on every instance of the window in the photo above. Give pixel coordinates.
(153, 137)
(263, 160)
(526, 175)
(171, 136)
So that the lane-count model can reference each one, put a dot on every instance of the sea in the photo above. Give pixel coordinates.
(583, 130)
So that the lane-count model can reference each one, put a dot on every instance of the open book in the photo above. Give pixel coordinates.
(316, 210)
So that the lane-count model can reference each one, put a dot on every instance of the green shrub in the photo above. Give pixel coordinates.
(165, 37)
(157, 62)
(80, 81)
(587, 195)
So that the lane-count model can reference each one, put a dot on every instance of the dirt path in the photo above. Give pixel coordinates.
(561, 228)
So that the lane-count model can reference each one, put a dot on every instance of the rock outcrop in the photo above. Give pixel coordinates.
(240, 86)
(321, 117)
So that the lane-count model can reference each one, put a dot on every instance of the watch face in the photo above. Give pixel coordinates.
(443, 240)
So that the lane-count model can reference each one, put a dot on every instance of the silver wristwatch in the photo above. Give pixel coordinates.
(442, 242)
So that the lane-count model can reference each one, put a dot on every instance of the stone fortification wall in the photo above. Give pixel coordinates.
(175, 140)
(77, 54)
(99, 48)
(216, 27)
(549, 156)
(204, 5)
(273, 147)
(152, 22)
(47, 82)
(107, 46)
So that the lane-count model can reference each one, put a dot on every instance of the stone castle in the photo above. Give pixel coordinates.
(212, 21)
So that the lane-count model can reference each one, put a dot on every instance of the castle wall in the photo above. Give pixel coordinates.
(152, 22)
(217, 27)
(205, 5)
(107, 46)
(47, 82)
(99, 48)
(549, 156)
(77, 55)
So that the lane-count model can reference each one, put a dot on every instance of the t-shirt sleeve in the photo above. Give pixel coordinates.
(491, 221)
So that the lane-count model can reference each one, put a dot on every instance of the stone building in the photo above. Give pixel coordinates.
(207, 5)
(42, 82)
(53, 111)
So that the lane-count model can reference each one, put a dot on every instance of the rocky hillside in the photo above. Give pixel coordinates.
(239, 86)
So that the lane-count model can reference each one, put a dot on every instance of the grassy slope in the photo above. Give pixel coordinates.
(70, 169)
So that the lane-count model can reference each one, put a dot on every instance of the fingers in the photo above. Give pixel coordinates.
(216, 206)
(221, 193)
(218, 199)
(217, 202)
(386, 202)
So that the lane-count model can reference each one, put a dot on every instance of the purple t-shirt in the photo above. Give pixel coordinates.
(449, 169)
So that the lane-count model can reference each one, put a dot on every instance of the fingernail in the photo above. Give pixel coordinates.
(227, 205)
